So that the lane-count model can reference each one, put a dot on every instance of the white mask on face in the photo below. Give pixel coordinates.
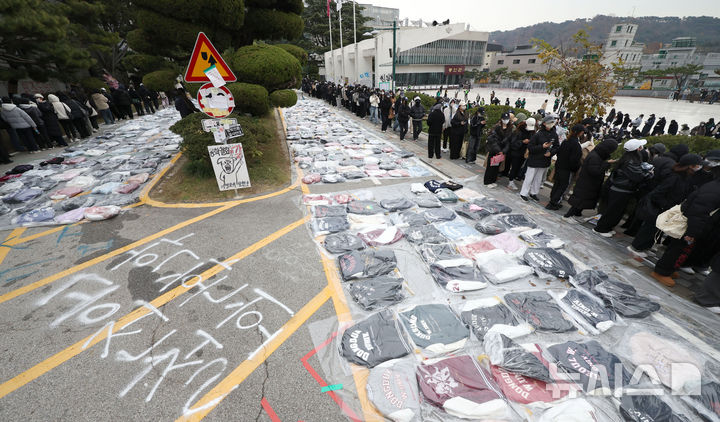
(505, 121)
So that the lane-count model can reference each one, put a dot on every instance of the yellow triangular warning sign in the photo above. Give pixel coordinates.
(205, 55)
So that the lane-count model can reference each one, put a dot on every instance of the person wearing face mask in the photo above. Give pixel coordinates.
(498, 145)
(542, 146)
(569, 158)
(477, 124)
(671, 191)
(518, 147)
(458, 129)
(403, 116)
(417, 112)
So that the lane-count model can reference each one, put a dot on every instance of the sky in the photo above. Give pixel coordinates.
(483, 15)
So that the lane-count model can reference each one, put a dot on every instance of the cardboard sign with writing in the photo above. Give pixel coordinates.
(229, 165)
(234, 131)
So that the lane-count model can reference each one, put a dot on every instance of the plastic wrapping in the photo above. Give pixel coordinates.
(342, 242)
(538, 239)
(408, 218)
(329, 225)
(374, 340)
(438, 214)
(491, 315)
(377, 292)
(507, 354)
(396, 204)
(322, 211)
(434, 328)
(360, 222)
(596, 370)
(432, 253)
(368, 263)
(539, 310)
(492, 205)
(364, 207)
(433, 185)
(500, 267)
(641, 408)
(549, 261)
(472, 211)
(456, 230)
(446, 195)
(380, 236)
(427, 201)
(707, 403)
(392, 389)
(621, 297)
(591, 315)
(457, 275)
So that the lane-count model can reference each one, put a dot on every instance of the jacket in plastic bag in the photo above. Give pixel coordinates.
(457, 275)
(516, 222)
(35, 216)
(321, 211)
(507, 354)
(489, 314)
(396, 204)
(438, 214)
(78, 202)
(435, 328)
(376, 292)
(540, 310)
(472, 211)
(409, 218)
(101, 212)
(594, 367)
(621, 297)
(492, 205)
(594, 313)
(642, 408)
(423, 234)
(707, 403)
(490, 226)
(342, 242)
(392, 388)
(329, 225)
(449, 184)
(456, 229)
(462, 388)
(427, 201)
(433, 185)
(22, 195)
(549, 261)
(432, 253)
(536, 238)
(369, 263)
(499, 267)
(374, 340)
(380, 236)
(365, 207)
(446, 195)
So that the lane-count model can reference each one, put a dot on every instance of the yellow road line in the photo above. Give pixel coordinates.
(213, 397)
(6, 244)
(61, 357)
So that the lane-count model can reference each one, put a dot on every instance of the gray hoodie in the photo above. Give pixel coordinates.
(16, 118)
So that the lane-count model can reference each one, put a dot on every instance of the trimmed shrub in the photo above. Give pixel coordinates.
(91, 84)
(195, 141)
(298, 52)
(267, 24)
(697, 144)
(250, 98)
(283, 98)
(166, 31)
(426, 100)
(193, 88)
(223, 13)
(266, 65)
(160, 80)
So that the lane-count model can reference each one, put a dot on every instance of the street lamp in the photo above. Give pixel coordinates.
(375, 32)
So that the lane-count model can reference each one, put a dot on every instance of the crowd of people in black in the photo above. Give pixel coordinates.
(644, 182)
(42, 121)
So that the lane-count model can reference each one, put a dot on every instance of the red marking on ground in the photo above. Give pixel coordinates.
(343, 406)
(271, 413)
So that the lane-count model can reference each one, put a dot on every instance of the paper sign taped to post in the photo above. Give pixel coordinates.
(229, 165)
(219, 135)
(210, 125)
(234, 131)
(215, 77)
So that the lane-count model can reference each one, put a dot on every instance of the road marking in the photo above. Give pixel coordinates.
(61, 357)
(213, 397)
(271, 413)
(6, 245)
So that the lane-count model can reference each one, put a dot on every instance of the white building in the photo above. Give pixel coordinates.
(380, 17)
(680, 52)
(491, 51)
(523, 59)
(426, 56)
(620, 46)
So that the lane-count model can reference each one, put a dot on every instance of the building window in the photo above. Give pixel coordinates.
(618, 28)
(501, 61)
(634, 57)
(516, 61)
(630, 29)
(626, 41)
(613, 43)
(531, 61)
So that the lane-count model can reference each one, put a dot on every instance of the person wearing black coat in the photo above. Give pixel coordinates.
(498, 146)
(52, 124)
(417, 112)
(708, 295)
(123, 101)
(435, 121)
(664, 163)
(569, 159)
(673, 128)
(590, 180)
(477, 124)
(385, 106)
(183, 104)
(519, 141)
(626, 121)
(29, 107)
(703, 226)
(542, 146)
(610, 117)
(659, 127)
(402, 110)
(618, 118)
(77, 115)
(458, 129)
(136, 100)
(146, 98)
(670, 192)
(648, 125)
(629, 177)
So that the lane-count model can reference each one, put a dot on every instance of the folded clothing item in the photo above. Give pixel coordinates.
(418, 188)
(374, 340)
(500, 267)
(409, 218)
(493, 206)
(70, 217)
(427, 201)
(423, 234)
(446, 195)
(489, 315)
(621, 297)
(342, 242)
(549, 261)
(516, 222)
(311, 178)
(139, 178)
(469, 248)
(364, 208)
(537, 239)
(101, 213)
(490, 226)
(320, 211)
(380, 236)
(472, 211)
(641, 408)
(588, 309)
(393, 390)
(456, 230)
(360, 222)
(329, 225)
(707, 403)
(449, 184)
(376, 292)
(509, 355)
(573, 410)
(35, 216)
(433, 185)
(65, 193)
(438, 214)
(368, 263)
(434, 328)
(462, 388)
(457, 275)
(316, 199)
(22, 195)
(127, 188)
(674, 365)
(432, 253)
(540, 310)
(396, 204)
(598, 369)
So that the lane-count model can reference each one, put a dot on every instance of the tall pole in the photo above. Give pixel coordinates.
(342, 49)
(394, 53)
(357, 59)
(332, 52)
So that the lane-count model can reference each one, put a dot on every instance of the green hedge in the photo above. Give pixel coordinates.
(266, 65)
(250, 98)
(160, 80)
(298, 52)
(91, 84)
(697, 144)
(227, 14)
(426, 100)
(195, 141)
(283, 98)
(267, 24)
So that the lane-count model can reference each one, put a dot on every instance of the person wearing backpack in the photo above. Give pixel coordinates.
(629, 176)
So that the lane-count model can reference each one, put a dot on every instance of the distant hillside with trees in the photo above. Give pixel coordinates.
(651, 30)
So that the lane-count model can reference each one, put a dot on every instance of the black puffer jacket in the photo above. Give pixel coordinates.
(435, 121)
(403, 112)
(569, 155)
(670, 192)
(630, 175)
(592, 175)
(699, 205)
(417, 111)
(459, 123)
(517, 147)
(477, 124)
(499, 139)
(537, 158)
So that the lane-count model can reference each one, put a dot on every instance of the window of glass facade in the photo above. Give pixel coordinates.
(618, 28)
(613, 43)
(531, 61)
(501, 61)
(430, 78)
(516, 61)
(445, 52)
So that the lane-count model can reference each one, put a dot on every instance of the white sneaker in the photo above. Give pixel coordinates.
(611, 233)
(713, 309)
(687, 270)
(703, 271)
(512, 185)
(570, 220)
(636, 252)
(491, 185)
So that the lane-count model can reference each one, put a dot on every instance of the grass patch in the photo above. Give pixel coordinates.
(269, 169)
